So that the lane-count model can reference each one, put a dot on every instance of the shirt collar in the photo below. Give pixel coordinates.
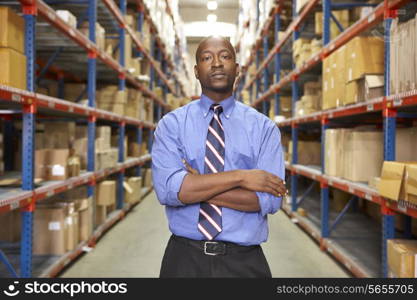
(228, 104)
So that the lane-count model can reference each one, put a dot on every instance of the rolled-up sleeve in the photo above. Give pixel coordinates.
(168, 171)
(271, 159)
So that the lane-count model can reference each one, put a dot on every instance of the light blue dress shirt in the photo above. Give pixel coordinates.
(252, 141)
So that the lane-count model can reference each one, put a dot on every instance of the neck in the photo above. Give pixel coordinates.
(217, 96)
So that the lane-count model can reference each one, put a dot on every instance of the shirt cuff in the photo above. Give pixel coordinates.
(175, 183)
(269, 204)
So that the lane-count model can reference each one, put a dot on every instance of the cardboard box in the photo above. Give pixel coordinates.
(72, 233)
(106, 193)
(85, 221)
(13, 68)
(329, 98)
(365, 55)
(75, 91)
(406, 144)
(402, 258)
(55, 163)
(40, 171)
(10, 226)
(363, 155)
(100, 34)
(103, 136)
(339, 75)
(392, 180)
(100, 215)
(334, 152)
(12, 31)
(60, 134)
(353, 93)
(73, 166)
(111, 94)
(374, 183)
(410, 185)
(364, 89)
(133, 190)
(49, 230)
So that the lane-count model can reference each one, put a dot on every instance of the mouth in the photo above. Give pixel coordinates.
(218, 75)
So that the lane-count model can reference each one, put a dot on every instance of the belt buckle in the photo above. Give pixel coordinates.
(214, 253)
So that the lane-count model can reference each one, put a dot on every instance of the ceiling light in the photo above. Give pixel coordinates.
(212, 5)
(211, 18)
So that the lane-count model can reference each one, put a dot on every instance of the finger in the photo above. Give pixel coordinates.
(280, 188)
(276, 191)
(280, 183)
(272, 191)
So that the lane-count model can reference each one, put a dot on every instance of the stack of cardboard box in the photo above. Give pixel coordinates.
(285, 107)
(62, 222)
(342, 17)
(148, 105)
(106, 155)
(345, 72)
(111, 99)
(304, 49)
(105, 195)
(12, 51)
(53, 158)
(133, 148)
(134, 104)
(311, 101)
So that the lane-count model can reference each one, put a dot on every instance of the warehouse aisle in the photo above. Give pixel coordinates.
(135, 246)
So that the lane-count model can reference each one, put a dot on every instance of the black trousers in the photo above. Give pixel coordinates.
(187, 258)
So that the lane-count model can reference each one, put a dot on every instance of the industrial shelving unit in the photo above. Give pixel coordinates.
(389, 108)
(79, 57)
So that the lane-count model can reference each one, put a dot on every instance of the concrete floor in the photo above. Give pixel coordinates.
(135, 246)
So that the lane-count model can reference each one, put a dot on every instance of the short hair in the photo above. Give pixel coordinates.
(215, 37)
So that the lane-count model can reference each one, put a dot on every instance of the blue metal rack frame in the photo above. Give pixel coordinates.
(31, 103)
(383, 12)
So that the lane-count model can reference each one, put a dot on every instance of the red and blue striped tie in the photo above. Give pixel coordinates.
(210, 217)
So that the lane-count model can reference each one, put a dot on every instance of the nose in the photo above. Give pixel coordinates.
(216, 62)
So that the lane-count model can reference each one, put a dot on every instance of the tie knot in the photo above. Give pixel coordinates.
(217, 108)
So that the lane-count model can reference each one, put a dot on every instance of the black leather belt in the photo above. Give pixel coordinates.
(214, 247)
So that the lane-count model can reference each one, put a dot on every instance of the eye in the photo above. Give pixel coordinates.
(206, 58)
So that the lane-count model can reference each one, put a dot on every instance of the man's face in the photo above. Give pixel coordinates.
(216, 68)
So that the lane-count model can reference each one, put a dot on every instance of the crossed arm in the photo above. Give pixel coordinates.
(233, 189)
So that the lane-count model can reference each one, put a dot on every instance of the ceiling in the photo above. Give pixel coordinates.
(200, 3)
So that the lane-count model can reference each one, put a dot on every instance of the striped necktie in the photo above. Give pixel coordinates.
(210, 217)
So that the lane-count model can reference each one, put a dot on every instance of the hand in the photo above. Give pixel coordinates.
(189, 168)
(262, 181)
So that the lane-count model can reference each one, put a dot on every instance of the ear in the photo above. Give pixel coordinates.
(196, 72)
(237, 69)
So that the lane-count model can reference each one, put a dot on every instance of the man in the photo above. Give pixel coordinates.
(217, 166)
